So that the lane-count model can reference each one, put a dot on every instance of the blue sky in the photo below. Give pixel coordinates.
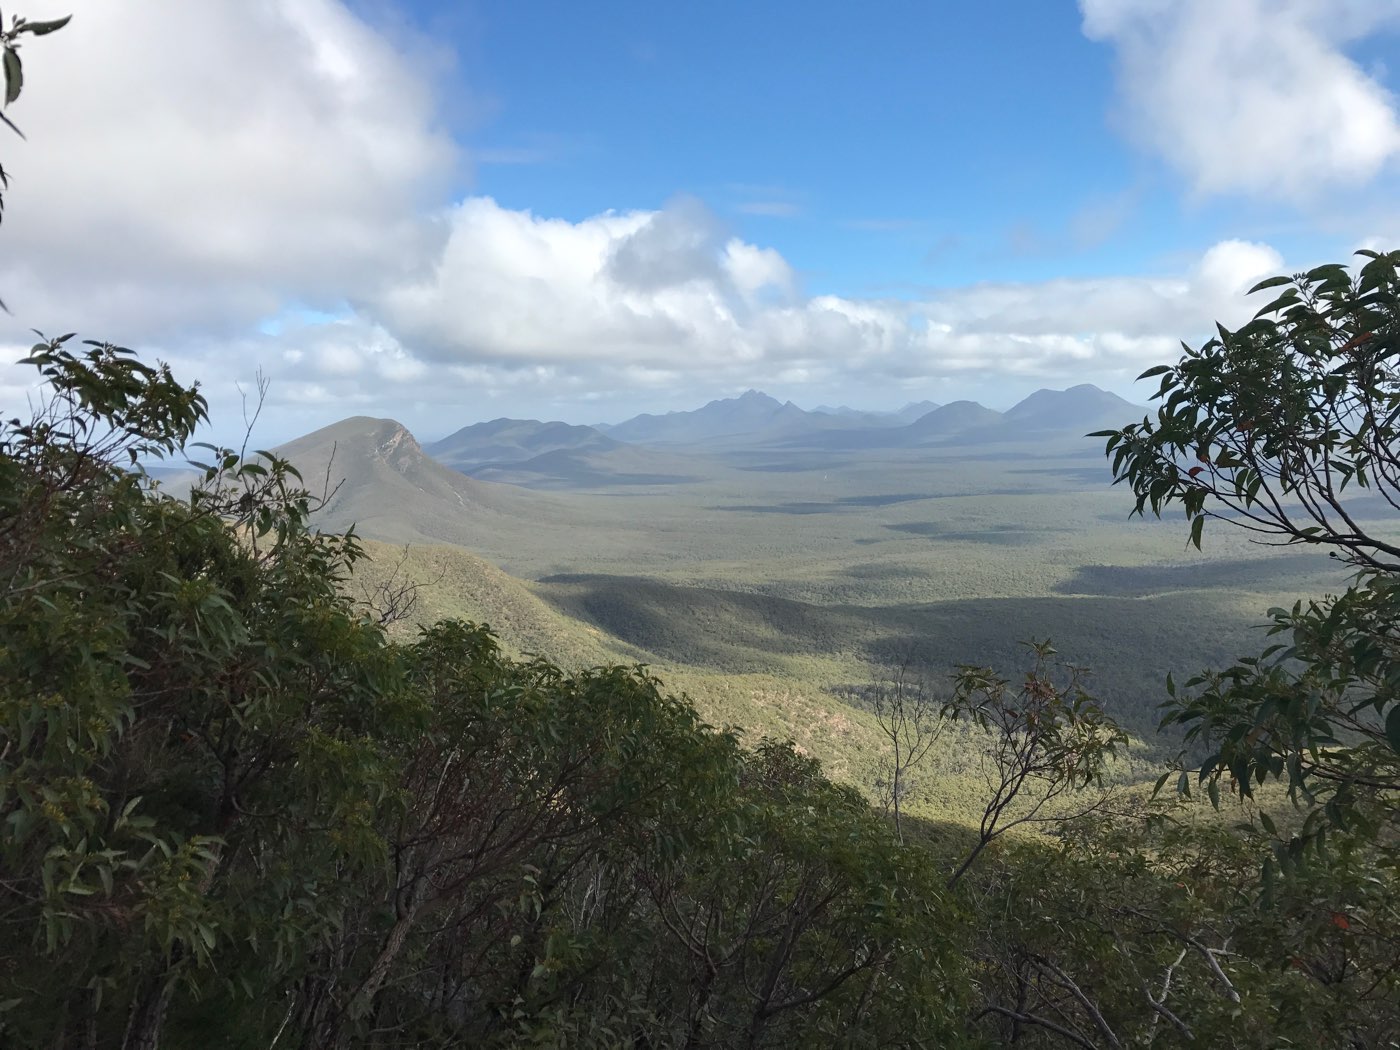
(880, 152)
(883, 148)
(446, 211)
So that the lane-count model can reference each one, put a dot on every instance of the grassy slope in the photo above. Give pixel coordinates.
(454, 583)
(739, 681)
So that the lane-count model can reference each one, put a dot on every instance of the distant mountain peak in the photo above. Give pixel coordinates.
(1084, 404)
(749, 399)
(513, 441)
(954, 417)
(385, 483)
(749, 413)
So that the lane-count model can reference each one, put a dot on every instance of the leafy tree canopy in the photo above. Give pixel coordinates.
(232, 809)
(1287, 427)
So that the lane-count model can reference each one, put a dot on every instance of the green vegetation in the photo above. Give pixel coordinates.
(1278, 428)
(236, 813)
(245, 803)
(262, 785)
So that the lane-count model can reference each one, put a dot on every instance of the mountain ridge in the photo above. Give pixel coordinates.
(377, 477)
(762, 419)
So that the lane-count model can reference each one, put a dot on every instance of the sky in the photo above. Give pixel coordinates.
(445, 211)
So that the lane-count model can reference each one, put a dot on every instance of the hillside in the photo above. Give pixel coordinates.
(591, 469)
(380, 480)
(451, 583)
(554, 455)
(826, 644)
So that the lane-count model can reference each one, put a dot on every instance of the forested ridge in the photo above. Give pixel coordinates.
(236, 810)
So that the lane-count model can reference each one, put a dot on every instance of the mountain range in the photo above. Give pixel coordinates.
(755, 419)
(752, 416)
(475, 481)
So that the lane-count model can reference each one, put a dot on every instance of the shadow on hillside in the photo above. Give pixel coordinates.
(1123, 581)
(1090, 477)
(999, 535)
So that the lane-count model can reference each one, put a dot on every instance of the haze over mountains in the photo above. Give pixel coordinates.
(554, 455)
(755, 418)
(753, 415)
(910, 412)
(383, 463)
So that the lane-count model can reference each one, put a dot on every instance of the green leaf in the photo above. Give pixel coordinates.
(1196, 526)
(14, 75)
(1392, 728)
(1325, 272)
(1272, 282)
(45, 28)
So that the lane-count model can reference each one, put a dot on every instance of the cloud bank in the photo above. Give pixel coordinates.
(247, 184)
(1253, 96)
(193, 167)
(542, 311)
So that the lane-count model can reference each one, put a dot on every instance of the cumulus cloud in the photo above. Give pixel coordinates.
(1252, 96)
(672, 248)
(663, 298)
(515, 313)
(645, 288)
(203, 165)
(170, 199)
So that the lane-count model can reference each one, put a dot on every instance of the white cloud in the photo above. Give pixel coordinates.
(755, 271)
(650, 299)
(519, 314)
(1252, 96)
(769, 209)
(201, 165)
(234, 161)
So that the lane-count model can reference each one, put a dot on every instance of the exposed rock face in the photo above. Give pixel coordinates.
(399, 450)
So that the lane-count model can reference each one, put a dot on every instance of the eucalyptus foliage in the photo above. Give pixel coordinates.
(234, 813)
(1288, 427)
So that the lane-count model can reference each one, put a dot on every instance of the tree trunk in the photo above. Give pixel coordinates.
(148, 1013)
(328, 1032)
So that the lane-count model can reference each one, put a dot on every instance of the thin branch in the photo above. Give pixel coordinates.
(1032, 1019)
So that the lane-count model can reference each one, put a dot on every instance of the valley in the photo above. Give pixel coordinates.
(764, 559)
